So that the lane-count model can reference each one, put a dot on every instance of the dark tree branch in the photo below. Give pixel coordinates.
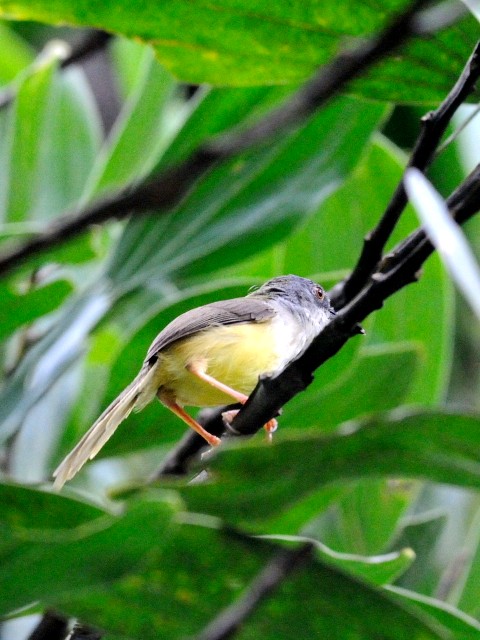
(166, 190)
(93, 42)
(434, 125)
(84, 632)
(226, 624)
(402, 262)
(162, 193)
(463, 203)
(400, 269)
(52, 626)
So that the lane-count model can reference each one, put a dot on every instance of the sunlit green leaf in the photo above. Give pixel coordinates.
(276, 43)
(16, 54)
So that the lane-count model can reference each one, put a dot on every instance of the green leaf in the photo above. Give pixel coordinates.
(376, 570)
(249, 203)
(216, 110)
(442, 447)
(232, 43)
(304, 515)
(17, 310)
(26, 117)
(16, 54)
(71, 139)
(142, 130)
(127, 58)
(422, 532)
(49, 359)
(75, 251)
(465, 592)
(140, 574)
(51, 115)
(452, 620)
(365, 519)
(80, 561)
(27, 511)
(322, 602)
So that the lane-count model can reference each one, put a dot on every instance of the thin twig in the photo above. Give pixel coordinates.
(167, 189)
(459, 130)
(434, 125)
(462, 203)
(226, 624)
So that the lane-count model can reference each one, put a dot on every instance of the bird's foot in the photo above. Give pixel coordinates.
(270, 426)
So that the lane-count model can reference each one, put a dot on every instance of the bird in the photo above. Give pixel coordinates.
(211, 354)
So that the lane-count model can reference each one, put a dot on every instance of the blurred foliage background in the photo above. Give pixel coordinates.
(378, 462)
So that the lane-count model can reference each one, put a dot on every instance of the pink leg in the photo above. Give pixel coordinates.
(198, 371)
(270, 427)
(170, 403)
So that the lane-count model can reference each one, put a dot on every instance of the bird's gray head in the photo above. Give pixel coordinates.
(300, 295)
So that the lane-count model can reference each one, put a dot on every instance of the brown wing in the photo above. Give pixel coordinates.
(223, 312)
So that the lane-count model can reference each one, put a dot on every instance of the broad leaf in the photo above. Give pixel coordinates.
(276, 43)
(139, 574)
(252, 481)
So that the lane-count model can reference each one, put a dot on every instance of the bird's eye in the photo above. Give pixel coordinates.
(320, 293)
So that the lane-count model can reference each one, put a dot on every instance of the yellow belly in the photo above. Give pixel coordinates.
(235, 355)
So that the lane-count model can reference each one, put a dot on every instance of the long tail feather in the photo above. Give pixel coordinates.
(104, 427)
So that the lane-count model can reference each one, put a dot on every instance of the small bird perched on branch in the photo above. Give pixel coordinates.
(214, 353)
